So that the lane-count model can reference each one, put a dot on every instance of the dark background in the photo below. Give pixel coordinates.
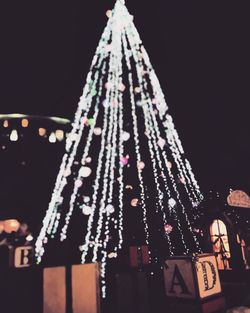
(199, 50)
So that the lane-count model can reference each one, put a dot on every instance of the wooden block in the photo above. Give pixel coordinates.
(186, 278)
(85, 288)
(54, 290)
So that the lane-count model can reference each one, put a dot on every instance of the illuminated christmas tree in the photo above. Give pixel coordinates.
(122, 155)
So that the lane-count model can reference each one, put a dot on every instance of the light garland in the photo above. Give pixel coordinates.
(101, 116)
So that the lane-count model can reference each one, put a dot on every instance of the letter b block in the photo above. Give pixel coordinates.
(192, 278)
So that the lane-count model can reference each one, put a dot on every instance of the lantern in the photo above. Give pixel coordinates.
(11, 226)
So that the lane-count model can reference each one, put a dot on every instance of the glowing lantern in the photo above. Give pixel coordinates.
(5, 124)
(59, 134)
(25, 122)
(14, 135)
(52, 138)
(42, 132)
(11, 226)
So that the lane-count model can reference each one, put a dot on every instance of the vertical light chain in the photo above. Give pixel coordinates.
(99, 166)
(148, 132)
(163, 106)
(137, 144)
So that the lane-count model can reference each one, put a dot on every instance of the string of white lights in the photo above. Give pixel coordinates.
(137, 143)
(162, 106)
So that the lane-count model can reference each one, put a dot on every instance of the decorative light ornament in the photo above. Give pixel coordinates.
(121, 87)
(125, 136)
(140, 165)
(169, 165)
(42, 132)
(134, 202)
(14, 135)
(88, 160)
(168, 228)
(109, 13)
(78, 183)
(86, 209)
(129, 187)
(110, 209)
(161, 143)
(137, 89)
(59, 134)
(124, 160)
(5, 124)
(52, 138)
(25, 122)
(172, 202)
(85, 171)
(97, 131)
(112, 255)
(67, 172)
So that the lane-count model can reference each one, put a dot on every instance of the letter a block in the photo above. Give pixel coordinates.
(190, 277)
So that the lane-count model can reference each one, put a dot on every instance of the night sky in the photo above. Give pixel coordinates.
(200, 52)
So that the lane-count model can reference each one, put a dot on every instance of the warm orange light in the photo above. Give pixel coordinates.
(25, 122)
(11, 226)
(42, 132)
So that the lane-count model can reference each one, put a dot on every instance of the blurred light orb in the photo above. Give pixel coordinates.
(171, 202)
(121, 87)
(78, 183)
(108, 85)
(140, 165)
(161, 142)
(109, 13)
(168, 228)
(67, 172)
(110, 209)
(137, 89)
(112, 255)
(134, 202)
(86, 199)
(86, 209)
(169, 165)
(85, 171)
(125, 136)
(97, 131)
(11, 225)
(129, 187)
(88, 160)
